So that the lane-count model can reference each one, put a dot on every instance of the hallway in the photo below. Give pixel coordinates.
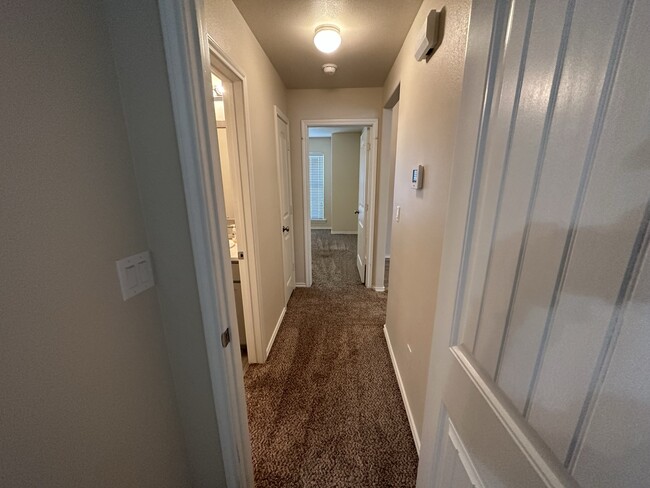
(325, 410)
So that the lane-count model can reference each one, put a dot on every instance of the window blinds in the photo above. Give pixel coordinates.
(317, 185)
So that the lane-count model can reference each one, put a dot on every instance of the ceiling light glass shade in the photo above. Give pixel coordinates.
(327, 38)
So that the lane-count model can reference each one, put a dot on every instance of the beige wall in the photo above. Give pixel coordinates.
(428, 113)
(345, 181)
(87, 397)
(343, 103)
(324, 145)
(265, 89)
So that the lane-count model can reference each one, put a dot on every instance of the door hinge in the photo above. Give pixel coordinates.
(225, 337)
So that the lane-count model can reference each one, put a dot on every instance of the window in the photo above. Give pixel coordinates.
(317, 185)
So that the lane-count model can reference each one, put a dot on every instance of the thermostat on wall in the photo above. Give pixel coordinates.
(417, 174)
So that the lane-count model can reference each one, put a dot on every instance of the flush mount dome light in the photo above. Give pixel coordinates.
(327, 38)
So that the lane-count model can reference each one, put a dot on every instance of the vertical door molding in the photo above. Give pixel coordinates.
(188, 65)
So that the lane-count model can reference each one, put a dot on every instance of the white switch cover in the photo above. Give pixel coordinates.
(135, 274)
(398, 211)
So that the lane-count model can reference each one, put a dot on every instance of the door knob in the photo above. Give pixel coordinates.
(285, 228)
(356, 212)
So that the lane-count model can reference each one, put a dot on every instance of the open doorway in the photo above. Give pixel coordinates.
(228, 96)
(390, 215)
(387, 211)
(339, 164)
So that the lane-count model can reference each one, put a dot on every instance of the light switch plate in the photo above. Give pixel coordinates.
(135, 273)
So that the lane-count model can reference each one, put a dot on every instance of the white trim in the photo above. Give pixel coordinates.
(464, 457)
(371, 203)
(320, 228)
(407, 407)
(379, 288)
(241, 139)
(301, 285)
(306, 204)
(519, 430)
(188, 66)
(342, 232)
(275, 331)
(371, 178)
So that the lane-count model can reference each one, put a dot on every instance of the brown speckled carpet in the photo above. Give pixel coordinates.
(325, 410)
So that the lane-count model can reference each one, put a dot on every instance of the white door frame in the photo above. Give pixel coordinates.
(187, 52)
(277, 113)
(371, 179)
(386, 184)
(239, 141)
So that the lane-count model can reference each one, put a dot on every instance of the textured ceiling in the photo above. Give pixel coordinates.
(372, 31)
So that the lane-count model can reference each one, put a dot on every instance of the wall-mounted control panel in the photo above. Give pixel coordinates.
(429, 37)
(135, 273)
(417, 175)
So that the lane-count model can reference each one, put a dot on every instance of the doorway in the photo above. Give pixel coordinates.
(339, 168)
(389, 214)
(386, 209)
(229, 99)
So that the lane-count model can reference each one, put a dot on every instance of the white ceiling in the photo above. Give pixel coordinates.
(372, 34)
(328, 131)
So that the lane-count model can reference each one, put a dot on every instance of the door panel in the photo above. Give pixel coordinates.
(286, 207)
(614, 447)
(557, 188)
(362, 256)
(525, 145)
(553, 286)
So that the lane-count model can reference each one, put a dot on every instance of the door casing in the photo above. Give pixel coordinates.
(371, 189)
(239, 143)
(188, 65)
(362, 257)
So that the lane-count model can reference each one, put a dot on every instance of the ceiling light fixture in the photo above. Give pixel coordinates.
(327, 38)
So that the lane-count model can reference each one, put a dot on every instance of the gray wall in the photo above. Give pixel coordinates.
(141, 66)
(87, 397)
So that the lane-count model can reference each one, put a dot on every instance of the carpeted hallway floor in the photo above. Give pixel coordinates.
(325, 410)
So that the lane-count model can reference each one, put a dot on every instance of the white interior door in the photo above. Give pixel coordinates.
(286, 206)
(362, 207)
(546, 380)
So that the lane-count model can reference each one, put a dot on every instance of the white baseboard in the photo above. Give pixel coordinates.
(301, 285)
(379, 288)
(318, 227)
(409, 414)
(275, 332)
(344, 232)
